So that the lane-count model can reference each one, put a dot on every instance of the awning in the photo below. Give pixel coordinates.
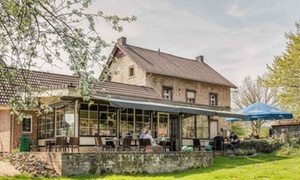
(154, 106)
(59, 103)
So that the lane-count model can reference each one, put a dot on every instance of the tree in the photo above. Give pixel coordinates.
(251, 92)
(284, 73)
(44, 31)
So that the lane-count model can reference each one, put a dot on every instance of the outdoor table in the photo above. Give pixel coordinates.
(163, 143)
(49, 143)
(135, 141)
(227, 145)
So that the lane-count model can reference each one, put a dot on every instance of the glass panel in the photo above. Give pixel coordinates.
(188, 126)
(59, 113)
(88, 120)
(42, 127)
(70, 119)
(108, 123)
(141, 118)
(163, 125)
(127, 121)
(202, 126)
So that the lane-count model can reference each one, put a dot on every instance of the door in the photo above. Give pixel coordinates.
(162, 126)
(213, 128)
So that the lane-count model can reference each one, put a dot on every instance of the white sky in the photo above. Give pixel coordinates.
(237, 38)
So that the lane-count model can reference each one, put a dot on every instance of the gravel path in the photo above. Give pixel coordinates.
(6, 169)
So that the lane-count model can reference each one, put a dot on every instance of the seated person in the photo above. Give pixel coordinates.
(153, 143)
(143, 133)
(234, 140)
(219, 140)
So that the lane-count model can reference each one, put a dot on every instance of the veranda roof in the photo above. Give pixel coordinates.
(158, 106)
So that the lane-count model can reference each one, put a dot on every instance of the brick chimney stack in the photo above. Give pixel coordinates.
(122, 41)
(200, 58)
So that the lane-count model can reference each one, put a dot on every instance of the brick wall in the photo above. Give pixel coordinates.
(5, 127)
(68, 164)
(18, 130)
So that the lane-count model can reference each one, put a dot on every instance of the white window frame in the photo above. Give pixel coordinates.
(213, 98)
(27, 117)
(167, 92)
(189, 94)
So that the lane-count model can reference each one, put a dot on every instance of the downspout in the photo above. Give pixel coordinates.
(12, 132)
(180, 131)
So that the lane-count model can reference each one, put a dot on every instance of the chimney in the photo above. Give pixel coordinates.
(200, 58)
(122, 41)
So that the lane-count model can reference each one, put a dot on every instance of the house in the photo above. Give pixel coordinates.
(175, 78)
(120, 107)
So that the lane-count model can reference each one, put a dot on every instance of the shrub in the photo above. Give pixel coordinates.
(262, 145)
(292, 149)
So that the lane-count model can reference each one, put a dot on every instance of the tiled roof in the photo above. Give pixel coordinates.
(170, 65)
(57, 81)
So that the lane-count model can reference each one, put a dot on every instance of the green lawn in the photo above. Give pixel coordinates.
(264, 166)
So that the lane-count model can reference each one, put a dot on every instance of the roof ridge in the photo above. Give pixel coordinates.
(183, 58)
(36, 71)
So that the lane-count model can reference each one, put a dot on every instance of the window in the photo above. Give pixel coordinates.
(46, 126)
(26, 124)
(69, 121)
(127, 121)
(213, 99)
(108, 122)
(88, 119)
(190, 96)
(195, 126)
(141, 118)
(188, 126)
(65, 119)
(59, 113)
(202, 126)
(167, 92)
(109, 78)
(163, 125)
(131, 71)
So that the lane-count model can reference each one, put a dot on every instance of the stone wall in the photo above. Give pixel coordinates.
(68, 164)
(180, 86)
(121, 67)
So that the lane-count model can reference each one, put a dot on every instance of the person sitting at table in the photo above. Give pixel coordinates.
(219, 140)
(143, 133)
(234, 140)
(153, 143)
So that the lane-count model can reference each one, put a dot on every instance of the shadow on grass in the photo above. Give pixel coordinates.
(219, 163)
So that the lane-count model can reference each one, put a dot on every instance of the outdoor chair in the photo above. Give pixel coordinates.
(196, 144)
(99, 144)
(126, 144)
(59, 143)
(141, 145)
(167, 144)
(218, 145)
(73, 144)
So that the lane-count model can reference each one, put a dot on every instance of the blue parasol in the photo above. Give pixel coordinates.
(260, 111)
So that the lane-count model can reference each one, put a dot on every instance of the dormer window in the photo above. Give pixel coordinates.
(131, 71)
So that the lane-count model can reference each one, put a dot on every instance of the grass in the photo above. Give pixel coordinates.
(264, 166)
